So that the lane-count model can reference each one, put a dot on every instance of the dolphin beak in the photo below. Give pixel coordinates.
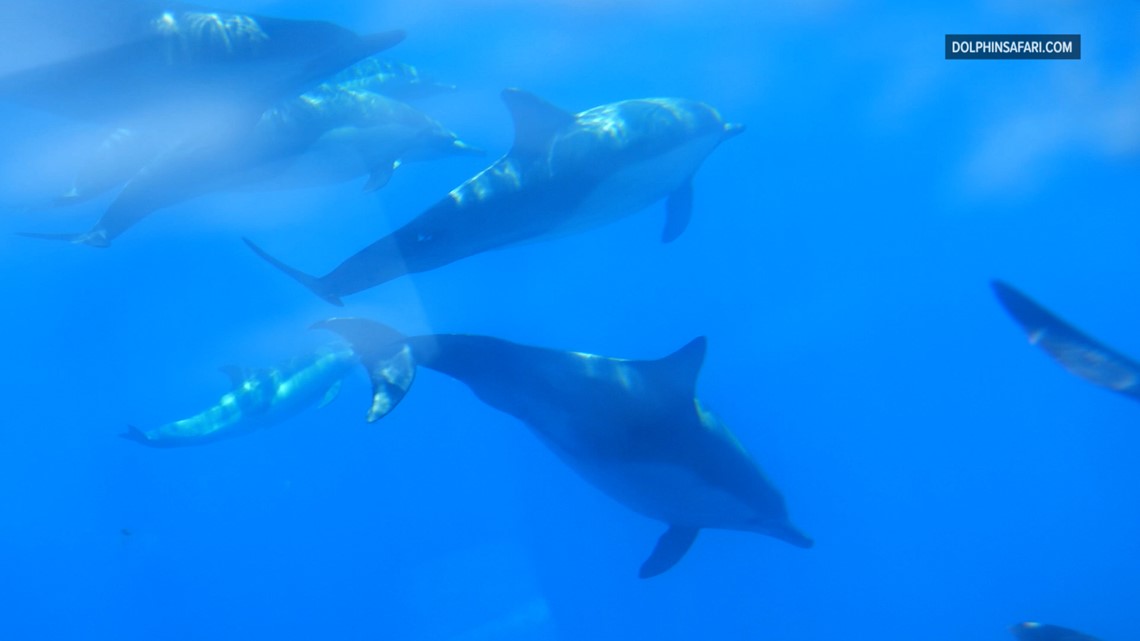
(732, 129)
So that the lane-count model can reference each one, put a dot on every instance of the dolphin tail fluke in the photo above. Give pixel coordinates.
(385, 355)
(82, 238)
(313, 283)
(670, 548)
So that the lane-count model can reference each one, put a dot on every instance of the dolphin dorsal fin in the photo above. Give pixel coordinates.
(236, 374)
(681, 368)
(536, 120)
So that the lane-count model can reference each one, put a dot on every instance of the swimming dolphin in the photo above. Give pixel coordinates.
(634, 429)
(565, 173)
(259, 399)
(174, 65)
(324, 136)
(1079, 353)
(1032, 631)
(393, 79)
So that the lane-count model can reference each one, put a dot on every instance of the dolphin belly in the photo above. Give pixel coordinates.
(666, 492)
(637, 186)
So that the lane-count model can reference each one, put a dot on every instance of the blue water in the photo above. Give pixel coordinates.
(955, 480)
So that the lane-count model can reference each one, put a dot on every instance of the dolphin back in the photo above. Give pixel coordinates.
(384, 353)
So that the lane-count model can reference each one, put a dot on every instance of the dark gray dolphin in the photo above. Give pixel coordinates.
(1077, 352)
(634, 429)
(178, 65)
(1033, 631)
(324, 136)
(565, 173)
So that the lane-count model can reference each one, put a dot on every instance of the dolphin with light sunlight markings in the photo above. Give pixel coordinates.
(634, 429)
(565, 173)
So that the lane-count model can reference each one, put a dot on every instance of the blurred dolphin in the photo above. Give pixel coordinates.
(1033, 631)
(325, 136)
(177, 66)
(360, 127)
(260, 398)
(1079, 353)
(565, 173)
(634, 429)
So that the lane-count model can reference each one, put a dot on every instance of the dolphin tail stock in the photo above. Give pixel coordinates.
(385, 355)
(313, 283)
(81, 238)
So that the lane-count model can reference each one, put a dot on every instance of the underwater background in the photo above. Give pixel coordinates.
(955, 480)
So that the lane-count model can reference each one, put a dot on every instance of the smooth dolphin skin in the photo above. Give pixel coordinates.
(565, 173)
(1079, 353)
(634, 429)
(325, 136)
(259, 399)
(1033, 631)
(172, 63)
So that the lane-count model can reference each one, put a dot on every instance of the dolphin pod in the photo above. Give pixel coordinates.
(634, 429)
(565, 173)
(1079, 353)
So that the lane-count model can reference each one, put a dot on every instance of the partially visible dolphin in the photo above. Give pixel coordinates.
(634, 429)
(1079, 353)
(388, 77)
(1033, 631)
(565, 173)
(178, 65)
(259, 399)
(325, 136)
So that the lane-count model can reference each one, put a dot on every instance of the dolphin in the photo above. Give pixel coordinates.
(634, 429)
(565, 173)
(1033, 631)
(259, 398)
(388, 77)
(178, 65)
(321, 137)
(1079, 353)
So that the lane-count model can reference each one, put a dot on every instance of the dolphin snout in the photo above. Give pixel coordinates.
(732, 129)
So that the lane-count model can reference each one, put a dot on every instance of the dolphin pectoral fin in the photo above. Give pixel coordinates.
(312, 282)
(536, 121)
(678, 211)
(672, 545)
(380, 177)
(330, 394)
(385, 355)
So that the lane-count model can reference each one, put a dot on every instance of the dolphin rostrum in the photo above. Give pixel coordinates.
(565, 173)
(1079, 353)
(259, 398)
(634, 429)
